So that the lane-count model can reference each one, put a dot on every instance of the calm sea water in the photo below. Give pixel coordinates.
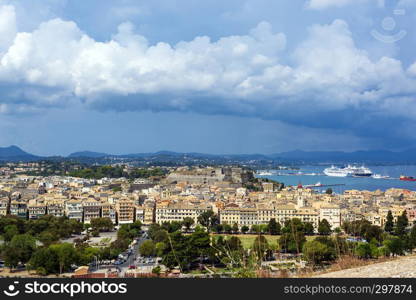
(349, 183)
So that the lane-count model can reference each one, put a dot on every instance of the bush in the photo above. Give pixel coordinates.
(363, 250)
(394, 245)
(156, 270)
(316, 252)
(41, 271)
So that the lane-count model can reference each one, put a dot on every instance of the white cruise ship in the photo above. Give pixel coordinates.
(336, 172)
(349, 171)
(360, 171)
(264, 173)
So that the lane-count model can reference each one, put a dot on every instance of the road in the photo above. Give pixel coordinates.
(133, 259)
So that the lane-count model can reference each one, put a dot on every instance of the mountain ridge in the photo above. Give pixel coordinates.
(13, 153)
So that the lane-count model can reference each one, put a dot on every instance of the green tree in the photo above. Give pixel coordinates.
(45, 260)
(188, 222)
(87, 254)
(199, 244)
(235, 228)
(260, 247)
(255, 228)
(245, 229)
(227, 228)
(208, 219)
(177, 253)
(218, 228)
(389, 225)
(412, 238)
(274, 227)
(394, 245)
(66, 254)
(76, 226)
(316, 252)
(20, 249)
(401, 224)
(147, 248)
(47, 238)
(308, 228)
(234, 244)
(293, 225)
(153, 228)
(324, 228)
(172, 226)
(363, 250)
(160, 247)
(329, 191)
(370, 232)
(9, 232)
(292, 242)
(102, 224)
(160, 236)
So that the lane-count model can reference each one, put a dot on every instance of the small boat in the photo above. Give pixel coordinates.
(378, 176)
(407, 178)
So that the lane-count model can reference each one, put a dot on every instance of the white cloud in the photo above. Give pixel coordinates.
(8, 27)
(241, 74)
(324, 4)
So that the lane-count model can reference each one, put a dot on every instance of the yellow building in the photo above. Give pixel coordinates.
(257, 216)
(178, 212)
(125, 211)
(331, 213)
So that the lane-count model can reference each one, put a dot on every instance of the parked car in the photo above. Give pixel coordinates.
(132, 267)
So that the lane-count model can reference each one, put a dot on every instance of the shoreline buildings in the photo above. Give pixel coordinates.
(188, 192)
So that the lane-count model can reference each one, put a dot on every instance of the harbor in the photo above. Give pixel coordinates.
(382, 178)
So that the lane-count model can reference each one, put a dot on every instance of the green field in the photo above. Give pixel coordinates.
(248, 239)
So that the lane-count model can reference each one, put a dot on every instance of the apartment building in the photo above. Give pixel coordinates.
(109, 211)
(74, 210)
(396, 212)
(91, 209)
(331, 213)
(239, 216)
(149, 214)
(139, 213)
(178, 212)
(56, 209)
(374, 218)
(125, 210)
(18, 208)
(36, 210)
(258, 216)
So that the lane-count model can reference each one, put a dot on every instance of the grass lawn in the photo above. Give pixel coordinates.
(248, 239)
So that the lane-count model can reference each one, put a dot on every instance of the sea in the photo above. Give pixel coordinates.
(311, 175)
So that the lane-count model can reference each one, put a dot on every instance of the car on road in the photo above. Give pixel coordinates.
(131, 267)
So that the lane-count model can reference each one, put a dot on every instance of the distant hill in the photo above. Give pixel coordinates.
(88, 154)
(14, 153)
(376, 156)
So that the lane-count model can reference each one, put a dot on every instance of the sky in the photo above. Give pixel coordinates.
(235, 76)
